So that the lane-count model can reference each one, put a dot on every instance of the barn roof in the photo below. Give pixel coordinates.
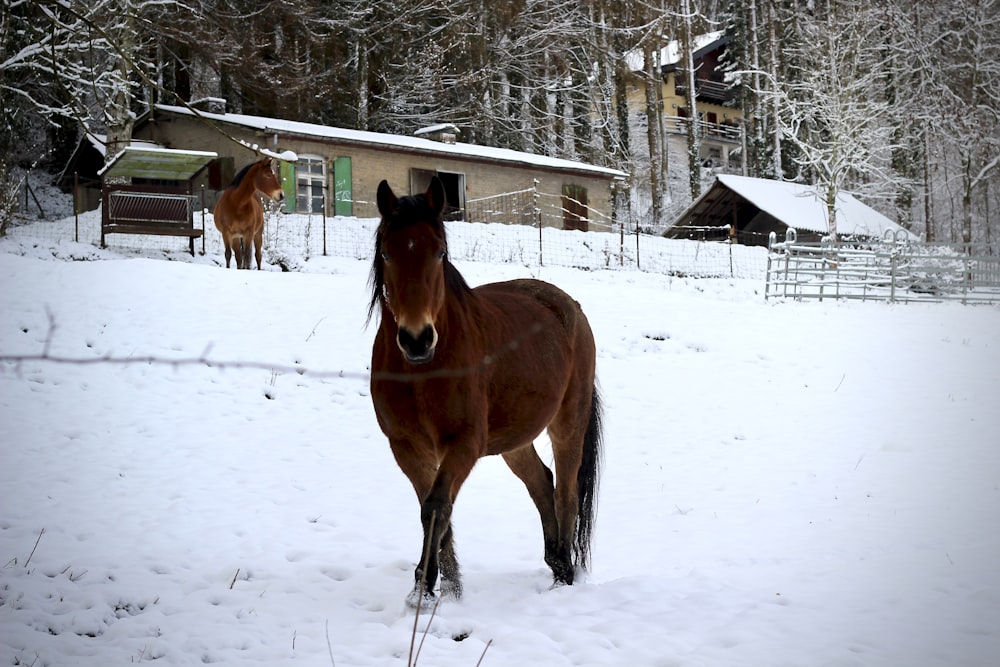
(399, 142)
(792, 204)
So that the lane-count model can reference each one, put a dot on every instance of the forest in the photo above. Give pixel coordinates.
(894, 101)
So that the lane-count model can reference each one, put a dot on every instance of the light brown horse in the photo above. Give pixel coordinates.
(239, 213)
(461, 373)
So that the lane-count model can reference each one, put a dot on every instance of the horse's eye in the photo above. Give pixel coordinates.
(385, 256)
(441, 255)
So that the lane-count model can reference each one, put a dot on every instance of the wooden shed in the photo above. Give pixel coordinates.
(747, 210)
(150, 191)
(337, 171)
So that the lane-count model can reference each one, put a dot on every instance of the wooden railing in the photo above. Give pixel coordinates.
(728, 132)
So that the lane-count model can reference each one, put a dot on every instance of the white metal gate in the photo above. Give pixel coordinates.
(891, 269)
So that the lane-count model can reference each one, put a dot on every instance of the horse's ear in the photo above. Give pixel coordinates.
(435, 195)
(386, 199)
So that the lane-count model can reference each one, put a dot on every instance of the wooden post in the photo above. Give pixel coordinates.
(76, 206)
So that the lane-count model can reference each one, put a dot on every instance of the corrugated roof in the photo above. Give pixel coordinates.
(157, 163)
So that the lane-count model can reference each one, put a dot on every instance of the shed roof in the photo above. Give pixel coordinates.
(794, 204)
(163, 164)
(399, 142)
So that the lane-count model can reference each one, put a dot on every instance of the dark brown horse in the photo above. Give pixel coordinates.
(461, 373)
(239, 213)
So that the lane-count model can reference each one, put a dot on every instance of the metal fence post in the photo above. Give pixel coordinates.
(892, 275)
(203, 230)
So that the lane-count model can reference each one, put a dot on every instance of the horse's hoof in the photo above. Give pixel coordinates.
(423, 600)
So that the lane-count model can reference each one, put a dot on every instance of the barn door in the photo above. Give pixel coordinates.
(574, 205)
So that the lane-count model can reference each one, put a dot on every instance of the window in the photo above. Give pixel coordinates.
(310, 180)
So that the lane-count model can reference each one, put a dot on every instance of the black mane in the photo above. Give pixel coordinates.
(411, 210)
(238, 178)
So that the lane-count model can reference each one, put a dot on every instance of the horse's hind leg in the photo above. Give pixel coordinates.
(566, 452)
(526, 464)
(258, 243)
(576, 448)
(229, 250)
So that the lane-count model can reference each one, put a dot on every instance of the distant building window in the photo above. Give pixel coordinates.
(310, 179)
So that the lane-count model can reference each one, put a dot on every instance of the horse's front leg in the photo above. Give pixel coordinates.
(438, 555)
(435, 515)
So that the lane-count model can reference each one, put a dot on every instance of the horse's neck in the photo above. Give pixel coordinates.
(248, 186)
(461, 311)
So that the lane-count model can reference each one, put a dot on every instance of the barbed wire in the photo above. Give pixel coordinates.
(45, 356)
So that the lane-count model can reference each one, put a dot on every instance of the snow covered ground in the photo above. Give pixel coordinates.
(785, 483)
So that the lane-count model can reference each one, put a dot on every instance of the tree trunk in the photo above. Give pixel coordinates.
(119, 119)
(693, 141)
(652, 81)
(776, 171)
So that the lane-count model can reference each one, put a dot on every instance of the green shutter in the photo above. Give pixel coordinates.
(288, 184)
(343, 196)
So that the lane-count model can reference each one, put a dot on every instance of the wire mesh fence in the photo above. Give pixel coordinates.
(516, 228)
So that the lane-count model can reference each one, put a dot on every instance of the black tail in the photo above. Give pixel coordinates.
(588, 481)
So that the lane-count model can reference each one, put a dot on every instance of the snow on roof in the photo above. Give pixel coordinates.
(100, 142)
(671, 53)
(458, 149)
(803, 207)
(440, 127)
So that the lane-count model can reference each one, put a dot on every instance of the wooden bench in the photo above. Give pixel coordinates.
(146, 209)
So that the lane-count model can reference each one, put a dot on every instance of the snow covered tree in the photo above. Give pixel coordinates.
(968, 81)
(830, 110)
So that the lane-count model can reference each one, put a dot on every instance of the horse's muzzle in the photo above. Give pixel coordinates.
(417, 349)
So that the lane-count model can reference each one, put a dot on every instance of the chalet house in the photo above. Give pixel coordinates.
(747, 210)
(717, 123)
(337, 171)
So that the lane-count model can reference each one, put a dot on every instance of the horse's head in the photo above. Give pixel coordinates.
(267, 182)
(411, 273)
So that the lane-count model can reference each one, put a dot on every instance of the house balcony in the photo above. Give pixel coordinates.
(725, 132)
(706, 90)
